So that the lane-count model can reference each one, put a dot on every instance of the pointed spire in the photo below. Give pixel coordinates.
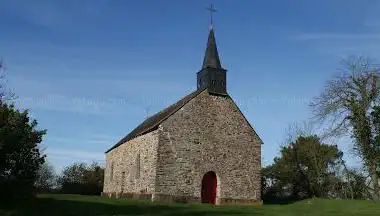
(211, 59)
(212, 76)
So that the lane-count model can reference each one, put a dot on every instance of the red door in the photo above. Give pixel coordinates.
(209, 184)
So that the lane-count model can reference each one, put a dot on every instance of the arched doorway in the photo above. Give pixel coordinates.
(209, 186)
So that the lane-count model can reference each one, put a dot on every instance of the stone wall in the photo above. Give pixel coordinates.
(209, 134)
(126, 180)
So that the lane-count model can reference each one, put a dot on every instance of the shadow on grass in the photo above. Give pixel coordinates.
(280, 202)
(57, 207)
(286, 200)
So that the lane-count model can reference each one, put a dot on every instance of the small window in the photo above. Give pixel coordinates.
(138, 166)
(111, 173)
(122, 181)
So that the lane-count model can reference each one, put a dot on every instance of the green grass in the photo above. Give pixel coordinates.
(58, 205)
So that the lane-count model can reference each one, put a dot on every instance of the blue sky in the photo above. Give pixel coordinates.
(91, 70)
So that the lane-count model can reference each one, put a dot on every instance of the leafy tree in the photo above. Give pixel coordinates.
(20, 157)
(303, 169)
(349, 105)
(95, 177)
(46, 178)
(80, 178)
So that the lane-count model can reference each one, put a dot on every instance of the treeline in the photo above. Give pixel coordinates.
(349, 105)
(308, 168)
(20, 155)
(78, 178)
(24, 171)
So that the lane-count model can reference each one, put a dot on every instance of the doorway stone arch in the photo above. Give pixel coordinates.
(210, 188)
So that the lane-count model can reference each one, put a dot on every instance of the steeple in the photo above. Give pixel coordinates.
(212, 76)
(211, 59)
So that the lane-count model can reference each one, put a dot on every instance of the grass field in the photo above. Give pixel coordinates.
(58, 205)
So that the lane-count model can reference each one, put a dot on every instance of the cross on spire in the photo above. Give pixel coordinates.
(212, 10)
(212, 76)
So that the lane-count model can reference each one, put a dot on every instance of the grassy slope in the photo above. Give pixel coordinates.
(58, 205)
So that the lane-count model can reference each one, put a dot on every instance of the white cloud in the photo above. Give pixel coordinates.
(94, 96)
(342, 44)
(61, 158)
(64, 150)
(74, 154)
(56, 102)
(86, 139)
(335, 36)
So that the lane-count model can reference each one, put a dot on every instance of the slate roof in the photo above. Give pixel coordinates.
(211, 58)
(152, 122)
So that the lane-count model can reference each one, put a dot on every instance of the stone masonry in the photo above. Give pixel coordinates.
(209, 133)
(131, 168)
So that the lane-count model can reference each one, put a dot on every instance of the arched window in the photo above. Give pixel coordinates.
(138, 166)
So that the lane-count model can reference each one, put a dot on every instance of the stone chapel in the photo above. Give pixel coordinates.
(201, 149)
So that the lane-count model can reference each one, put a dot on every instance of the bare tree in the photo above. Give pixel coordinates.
(298, 129)
(345, 105)
(5, 94)
(2, 92)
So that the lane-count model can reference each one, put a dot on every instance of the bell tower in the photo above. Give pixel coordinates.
(212, 76)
